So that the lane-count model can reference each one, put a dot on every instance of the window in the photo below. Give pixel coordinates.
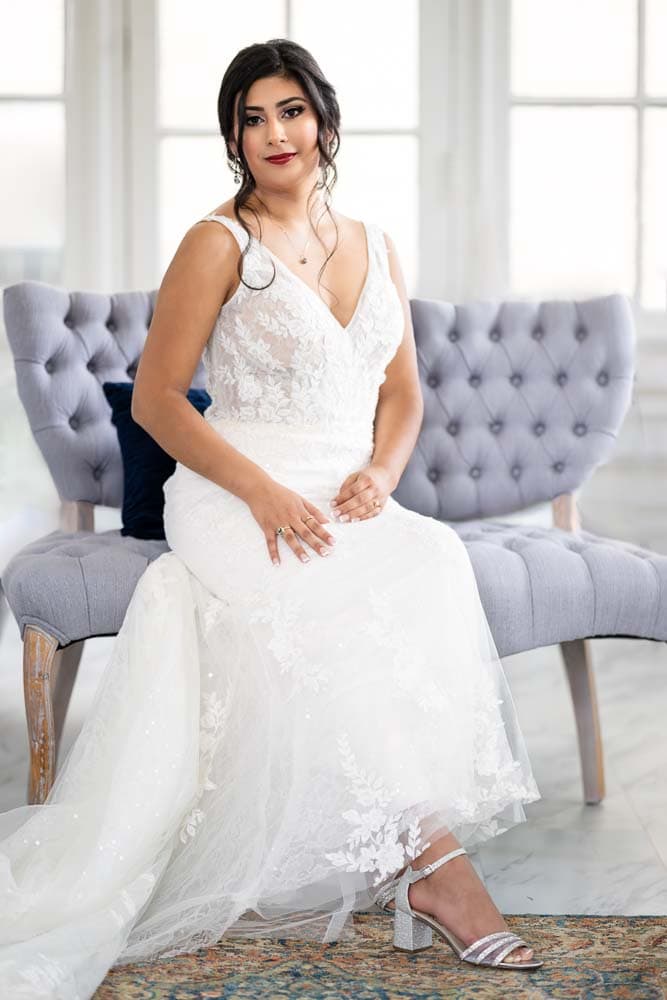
(378, 157)
(32, 122)
(588, 149)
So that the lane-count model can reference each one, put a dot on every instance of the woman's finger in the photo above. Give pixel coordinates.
(294, 542)
(351, 486)
(351, 505)
(272, 545)
(373, 512)
(315, 511)
(314, 539)
(316, 522)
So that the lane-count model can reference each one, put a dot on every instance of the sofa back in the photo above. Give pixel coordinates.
(522, 400)
(65, 346)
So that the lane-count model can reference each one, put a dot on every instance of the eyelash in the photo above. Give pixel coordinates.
(295, 107)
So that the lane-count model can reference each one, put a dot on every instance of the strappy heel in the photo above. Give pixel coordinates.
(413, 930)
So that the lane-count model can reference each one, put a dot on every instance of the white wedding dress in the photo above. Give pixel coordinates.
(267, 745)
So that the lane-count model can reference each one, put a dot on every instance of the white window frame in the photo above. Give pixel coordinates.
(464, 176)
(114, 120)
(651, 323)
(113, 144)
(143, 18)
(463, 134)
(60, 97)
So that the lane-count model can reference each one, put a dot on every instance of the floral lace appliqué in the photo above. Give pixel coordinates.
(274, 356)
(291, 629)
(374, 842)
(213, 716)
(385, 629)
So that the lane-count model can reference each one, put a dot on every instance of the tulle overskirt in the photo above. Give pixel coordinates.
(267, 744)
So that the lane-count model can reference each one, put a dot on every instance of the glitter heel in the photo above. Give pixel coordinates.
(413, 930)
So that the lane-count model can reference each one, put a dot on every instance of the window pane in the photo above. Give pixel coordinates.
(32, 190)
(31, 46)
(369, 53)
(194, 179)
(197, 41)
(573, 49)
(377, 182)
(573, 201)
(654, 278)
(656, 48)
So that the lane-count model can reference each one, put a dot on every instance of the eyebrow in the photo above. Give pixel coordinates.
(279, 104)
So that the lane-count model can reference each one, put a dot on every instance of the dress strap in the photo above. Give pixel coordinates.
(233, 226)
(379, 247)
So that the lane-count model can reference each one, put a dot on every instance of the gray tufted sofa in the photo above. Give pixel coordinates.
(522, 401)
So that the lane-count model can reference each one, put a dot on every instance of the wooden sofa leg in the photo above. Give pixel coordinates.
(579, 670)
(67, 665)
(48, 678)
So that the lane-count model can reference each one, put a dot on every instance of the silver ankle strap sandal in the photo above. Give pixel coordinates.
(385, 895)
(413, 930)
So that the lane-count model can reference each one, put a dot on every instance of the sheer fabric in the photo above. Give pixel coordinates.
(267, 744)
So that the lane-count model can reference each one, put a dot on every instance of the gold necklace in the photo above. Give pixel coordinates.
(302, 256)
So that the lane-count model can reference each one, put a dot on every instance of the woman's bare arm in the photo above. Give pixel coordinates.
(400, 408)
(193, 289)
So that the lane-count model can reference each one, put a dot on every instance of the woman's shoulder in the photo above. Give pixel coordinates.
(227, 209)
(345, 226)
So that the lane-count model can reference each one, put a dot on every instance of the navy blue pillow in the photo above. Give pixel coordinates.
(146, 466)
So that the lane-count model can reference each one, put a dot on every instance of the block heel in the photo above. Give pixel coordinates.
(411, 934)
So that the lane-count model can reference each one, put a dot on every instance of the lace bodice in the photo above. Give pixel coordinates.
(279, 355)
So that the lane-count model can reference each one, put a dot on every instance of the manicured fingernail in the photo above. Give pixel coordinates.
(345, 517)
(305, 558)
(354, 519)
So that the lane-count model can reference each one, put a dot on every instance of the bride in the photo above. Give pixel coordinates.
(304, 713)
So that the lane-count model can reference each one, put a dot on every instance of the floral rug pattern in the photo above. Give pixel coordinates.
(585, 958)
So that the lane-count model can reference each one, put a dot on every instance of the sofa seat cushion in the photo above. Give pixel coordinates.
(77, 584)
(538, 585)
(544, 585)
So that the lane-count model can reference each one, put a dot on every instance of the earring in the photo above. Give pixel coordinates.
(237, 171)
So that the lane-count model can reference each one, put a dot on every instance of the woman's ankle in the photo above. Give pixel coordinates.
(442, 846)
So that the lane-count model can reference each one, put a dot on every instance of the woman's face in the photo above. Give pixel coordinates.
(279, 118)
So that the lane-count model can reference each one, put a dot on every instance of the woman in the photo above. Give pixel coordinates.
(304, 712)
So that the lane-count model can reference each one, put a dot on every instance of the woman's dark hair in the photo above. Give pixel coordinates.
(278, 57)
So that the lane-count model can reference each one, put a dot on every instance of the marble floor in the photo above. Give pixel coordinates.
(569, 857)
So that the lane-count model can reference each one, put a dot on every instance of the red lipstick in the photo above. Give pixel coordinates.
(282, 158)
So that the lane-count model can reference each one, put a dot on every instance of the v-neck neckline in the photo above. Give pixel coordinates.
(362, 294)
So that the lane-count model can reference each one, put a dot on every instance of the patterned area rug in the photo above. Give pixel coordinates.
(585, 958)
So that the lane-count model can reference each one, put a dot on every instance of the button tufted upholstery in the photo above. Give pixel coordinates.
(77, 584)
(541, 586)
(522, 400)
(65, 346)
(513, 436)
(531, 395)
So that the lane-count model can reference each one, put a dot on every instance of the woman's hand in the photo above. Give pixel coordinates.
(363, 494)
(273, 506)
